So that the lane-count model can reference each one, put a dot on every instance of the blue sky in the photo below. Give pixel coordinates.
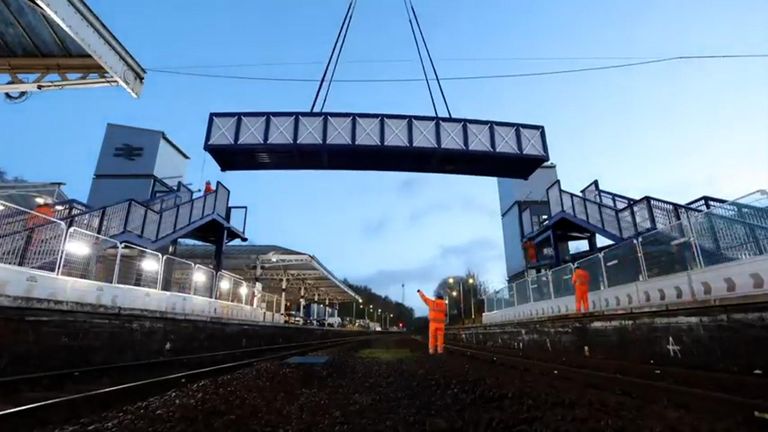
(675, 130)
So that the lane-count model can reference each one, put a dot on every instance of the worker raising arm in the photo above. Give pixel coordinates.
(437, 311)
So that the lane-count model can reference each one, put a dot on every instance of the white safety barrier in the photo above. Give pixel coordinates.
(46, 261)
(704, 256)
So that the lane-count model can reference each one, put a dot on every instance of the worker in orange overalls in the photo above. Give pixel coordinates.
(437, 311)
(580, 281)
(530, 251)
(44, 209)
(208, 188)
(35, 222)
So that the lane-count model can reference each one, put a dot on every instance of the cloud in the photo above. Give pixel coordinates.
(483, 255)
(411, 185)
(467, 205)
(376, 226)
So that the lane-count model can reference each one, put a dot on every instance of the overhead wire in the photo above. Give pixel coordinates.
(386, 61)
(466, 77)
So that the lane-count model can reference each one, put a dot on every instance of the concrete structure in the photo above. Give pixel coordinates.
(135, 163)
(516, 196)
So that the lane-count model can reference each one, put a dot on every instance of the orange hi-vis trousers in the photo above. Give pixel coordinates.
(436, 337)
(582, 298)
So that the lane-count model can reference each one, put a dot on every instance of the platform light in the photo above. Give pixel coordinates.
(150, 265)
(450, 280)
(40, 200)
(59, 207)
(224, 284)
(77, 248)
(471, 280)
(454, 293)
(243, 290)
(198, 276)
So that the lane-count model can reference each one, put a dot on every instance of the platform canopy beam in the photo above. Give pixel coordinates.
(55, 44)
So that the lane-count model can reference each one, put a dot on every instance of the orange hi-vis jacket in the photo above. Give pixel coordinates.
(437, 309)
(580, 280)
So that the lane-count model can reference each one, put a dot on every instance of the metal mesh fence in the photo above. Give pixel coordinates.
(113, 219)
(222, 200)
(722, 239)
(224, 286)
(204, 281)
(561, 281)
(237, 217)
(540, 287)
(553, 196)
(209, 201)
(167, 222)
(89, 256)
(151, 224)
(87, 221)
(580, 207)
(29, 239)
(610, 220)
(183, 216)
(138, 267)
(594, 267)
(178, 275)
(567, 202)
(622, 264)
(626, 223)
(241, 292)
(135, 218)
(593, 213)
(642, 212)
(490, 303)
(668, 250)
(522, 292)
(197, 208)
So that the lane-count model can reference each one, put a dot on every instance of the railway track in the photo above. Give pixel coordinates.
(684, 388)
(37, 400)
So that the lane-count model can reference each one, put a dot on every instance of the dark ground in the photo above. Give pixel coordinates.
(392, 385)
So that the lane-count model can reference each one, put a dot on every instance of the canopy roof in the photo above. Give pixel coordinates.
(271, 265)
(53, 44)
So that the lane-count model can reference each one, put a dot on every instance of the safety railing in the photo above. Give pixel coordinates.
(627, 221)
(29, 239)
(594, 193)
(34, 241)
(178, 275)
(698, 240)
(154, 220)
(89, 256)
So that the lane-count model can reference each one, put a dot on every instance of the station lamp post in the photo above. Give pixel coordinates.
(471, 281)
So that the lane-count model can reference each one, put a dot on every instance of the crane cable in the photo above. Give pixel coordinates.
(344, 23)
(336, 63)
(421, 58)
(432, 63)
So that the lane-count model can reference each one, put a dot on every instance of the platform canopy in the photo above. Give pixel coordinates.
(374, 142)
(54, 44)
(271, 265)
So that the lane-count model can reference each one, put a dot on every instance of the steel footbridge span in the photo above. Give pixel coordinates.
(374, 142)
